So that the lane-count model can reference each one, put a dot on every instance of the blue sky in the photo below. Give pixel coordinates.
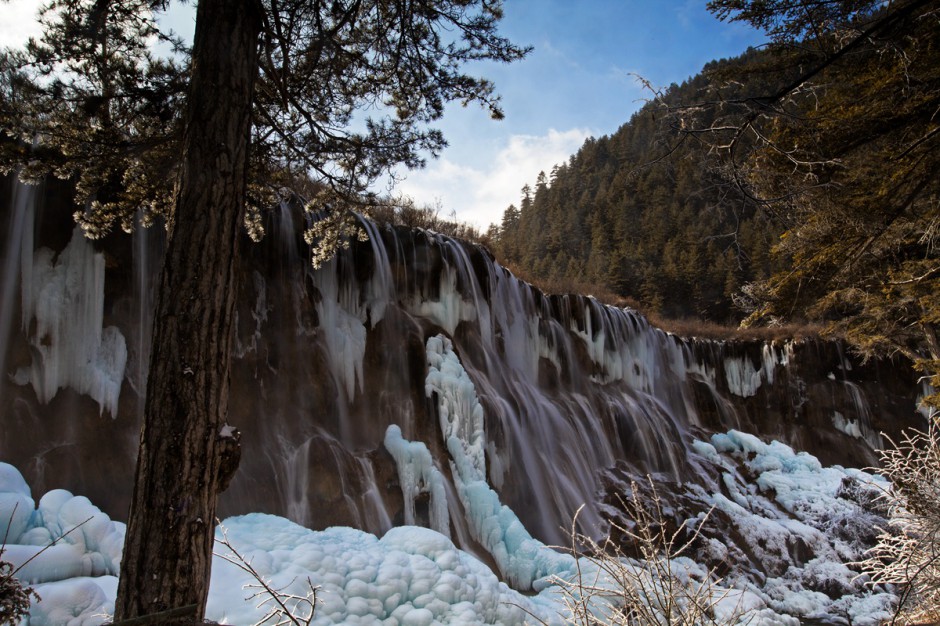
(577, 82)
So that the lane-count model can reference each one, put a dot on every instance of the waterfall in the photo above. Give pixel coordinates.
(18, 257)
(571, 395)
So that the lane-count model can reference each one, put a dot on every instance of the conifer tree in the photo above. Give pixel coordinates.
(850, 159)
(267, 95)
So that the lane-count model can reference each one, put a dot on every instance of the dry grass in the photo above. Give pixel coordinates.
(562, 285)
(651, 586)
(710, 330)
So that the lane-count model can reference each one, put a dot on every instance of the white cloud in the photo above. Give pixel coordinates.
(18, 23)
(480, 195)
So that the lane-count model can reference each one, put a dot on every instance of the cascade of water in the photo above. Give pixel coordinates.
(526, 355)
(574, 393)
(19, 246)
(297, 476)
(862, 428)
(374, 513)
(147, 250)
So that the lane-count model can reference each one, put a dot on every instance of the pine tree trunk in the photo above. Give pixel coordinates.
(168, 548)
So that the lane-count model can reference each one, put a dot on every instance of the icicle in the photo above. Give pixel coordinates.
(743, 379)
(343, 330)
(70, 348)
(417, 474)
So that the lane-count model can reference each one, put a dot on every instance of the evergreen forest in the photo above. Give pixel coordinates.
(794, 183)
(645, 216)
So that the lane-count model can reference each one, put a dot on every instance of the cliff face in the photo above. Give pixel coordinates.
(328, 360)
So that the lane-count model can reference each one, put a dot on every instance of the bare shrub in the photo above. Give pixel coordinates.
(658, 587)
(15, 597)
(404, 211)
(907, 553)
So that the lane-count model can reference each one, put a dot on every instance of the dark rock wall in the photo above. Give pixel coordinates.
(327, 360)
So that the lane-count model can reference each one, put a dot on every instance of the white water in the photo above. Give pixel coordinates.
(569, 391)
(552, 395)
(19, 246)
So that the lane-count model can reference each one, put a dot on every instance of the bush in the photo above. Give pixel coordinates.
(14, 596)
(908, 550)
(659, 587)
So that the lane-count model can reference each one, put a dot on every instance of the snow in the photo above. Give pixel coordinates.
(16, 504)
(779, 501)
(783, 502)
(411, 575)
(75, 602)
(89, 543)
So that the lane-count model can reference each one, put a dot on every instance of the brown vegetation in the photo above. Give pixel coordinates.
(684, 327)
(405, 212)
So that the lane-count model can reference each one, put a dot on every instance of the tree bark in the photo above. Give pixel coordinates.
(168, 547)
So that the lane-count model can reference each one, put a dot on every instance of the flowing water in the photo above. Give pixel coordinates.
(328, 360)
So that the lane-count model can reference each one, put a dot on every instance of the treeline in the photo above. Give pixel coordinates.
(646, 213)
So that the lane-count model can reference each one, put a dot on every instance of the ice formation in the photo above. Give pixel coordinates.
(782, 502)
(525, 561)
(449, 308)
(342, 321)
(65, 297)
(76, 577)
(744, 379)
(412, 575)
(417, 474)
(774, 499)
(346, 308)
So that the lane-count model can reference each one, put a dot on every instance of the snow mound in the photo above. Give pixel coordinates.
(786, 527)
(412, 575)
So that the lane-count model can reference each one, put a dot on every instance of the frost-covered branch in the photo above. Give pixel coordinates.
(283, 607)
(908, 550)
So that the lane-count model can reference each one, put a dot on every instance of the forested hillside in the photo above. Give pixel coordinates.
(793, 183)
(641, 217)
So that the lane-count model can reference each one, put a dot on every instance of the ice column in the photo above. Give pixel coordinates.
(65, 297)
(525, 561)
(417, 474)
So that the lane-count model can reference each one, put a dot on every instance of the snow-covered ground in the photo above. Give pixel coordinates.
(793, 526)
